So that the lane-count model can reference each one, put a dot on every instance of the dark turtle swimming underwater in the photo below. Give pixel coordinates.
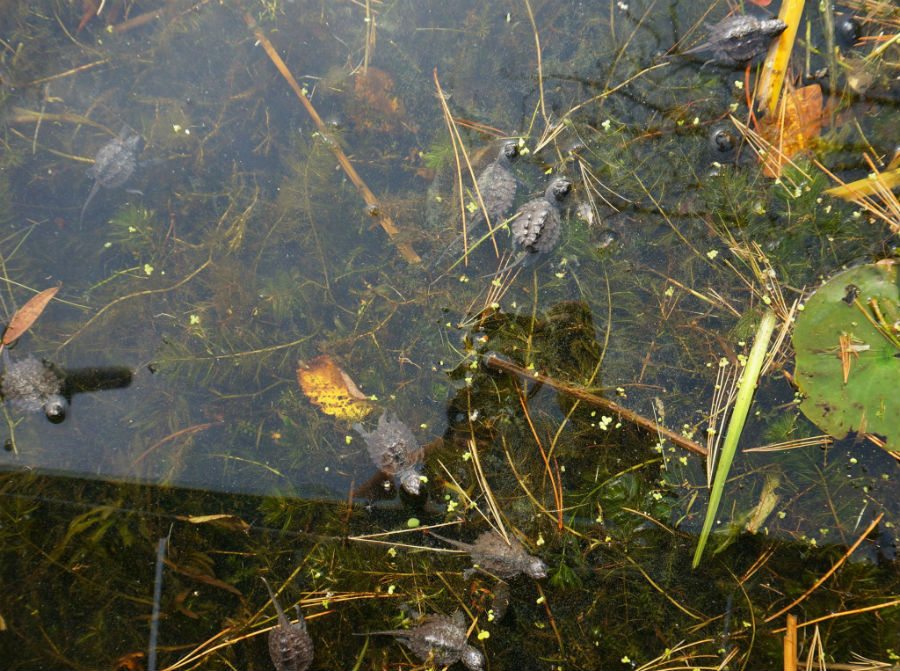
(536, 227)
(439, 640)
(114, 163)
(492, 553)
(290, 645)
(497, 186)
(739, 38)
(32, 385)
(395, 451)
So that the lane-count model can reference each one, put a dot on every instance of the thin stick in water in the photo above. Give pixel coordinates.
(157, 595)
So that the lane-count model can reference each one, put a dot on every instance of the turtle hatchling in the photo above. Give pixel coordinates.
(493, 554)
(290, 645)
(739, 38)
(395, 451)
(114, 163)
(536, 227)
(31, 385)
(497, 185)
(439, 640)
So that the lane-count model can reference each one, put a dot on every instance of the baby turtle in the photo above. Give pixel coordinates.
(32, 386)
(114, 163)
(290, 645)
(497, 185)
(439, 640)
(536, 227)
(492, 554)
(395, 451)
(739, 38)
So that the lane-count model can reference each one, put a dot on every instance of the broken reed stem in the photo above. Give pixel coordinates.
(493, 508)
(406, 251)
(790, 644)
(830, 571)
(495, 362)
(776, 63)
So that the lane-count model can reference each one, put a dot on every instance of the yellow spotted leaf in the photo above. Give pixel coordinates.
(330, 388)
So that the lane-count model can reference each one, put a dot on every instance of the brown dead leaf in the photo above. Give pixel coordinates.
(793, 128)
(330, 388)
(27, 314)
(373, 105)
(129, 662)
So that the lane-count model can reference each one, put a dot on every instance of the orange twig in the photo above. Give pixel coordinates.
(830, 571)
(372, 203)
(844, 613)
(497, 363)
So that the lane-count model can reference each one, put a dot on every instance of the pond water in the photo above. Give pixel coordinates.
(297, 196)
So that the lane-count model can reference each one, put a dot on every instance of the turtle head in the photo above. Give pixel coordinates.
(410, 481)
(535, 568)
(472, 658)
(559, 188)
(772, 27)
(55, 407)
(509, 150)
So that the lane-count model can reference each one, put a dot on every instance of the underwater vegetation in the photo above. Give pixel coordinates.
(434, 320)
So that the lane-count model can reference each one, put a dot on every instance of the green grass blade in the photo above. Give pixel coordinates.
(736, 425)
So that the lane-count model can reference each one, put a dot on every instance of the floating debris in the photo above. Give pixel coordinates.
(493, 554)
(114, 164)
(439, 640)
(290, 645)
(395, 451)
(739, 38)
(31, 385)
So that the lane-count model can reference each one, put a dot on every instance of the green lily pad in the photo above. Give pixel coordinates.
(840, 333)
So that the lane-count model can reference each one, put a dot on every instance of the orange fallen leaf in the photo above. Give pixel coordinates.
(793, 128)
(372, 105)
(27, 314)
(330, 388)
(129, 662)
